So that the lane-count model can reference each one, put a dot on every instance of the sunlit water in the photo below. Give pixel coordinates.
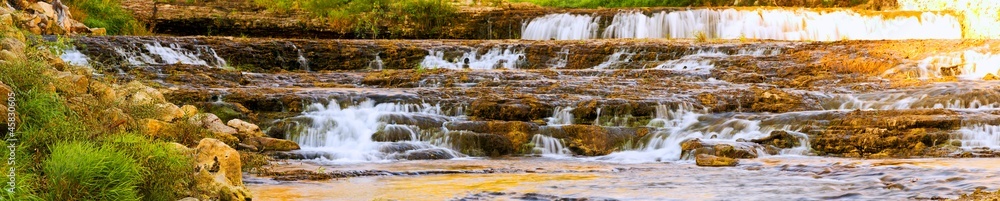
(772, 178)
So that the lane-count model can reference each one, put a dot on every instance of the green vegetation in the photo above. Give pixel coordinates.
(67, 151)
(373, 18)
(81, 171)
(692, 3)
(108, 14)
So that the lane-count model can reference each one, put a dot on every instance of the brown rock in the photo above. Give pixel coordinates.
(780, 139)
(212, 123)
(103, 92)
(6, 55)
(137, 93)
(168, 112)
(271, 144)
(189, 110)
(72, 84)
(714, 161)
(245, 128)
(5, 91)
(218, 174)
(152, 127)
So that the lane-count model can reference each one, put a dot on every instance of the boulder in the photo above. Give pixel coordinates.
(714, 161)
(189, 110)
(7, 55)
(71, 84)
(271, 144)
(695, 147)
(428, 154)
(212, 123)
(780, 139)
(137, 93)
(152, 127)
(218, 172)
(116, 117)
(990, 76)
(12, 44)
(168, 112)
(245, 128)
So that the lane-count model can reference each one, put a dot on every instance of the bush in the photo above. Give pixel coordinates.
(82, 171)
(372, 18)
(166, 172)
(108, 14)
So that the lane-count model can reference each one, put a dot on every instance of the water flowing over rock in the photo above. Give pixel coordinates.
(346, 134)
(496, 58)
(776, 24)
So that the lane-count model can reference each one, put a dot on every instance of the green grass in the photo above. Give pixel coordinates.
(82, 171)
(66, 154)
(108, 14)
(373, 18)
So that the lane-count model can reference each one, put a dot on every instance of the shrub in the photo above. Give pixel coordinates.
(82, 171)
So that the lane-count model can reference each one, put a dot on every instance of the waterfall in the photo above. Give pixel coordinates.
(700, 62)
(562, 26)
(496, 57)
(75, 57)
(966, 65)
(619, 57)
(561, 116)
(549, 146)
(303, 63)
(674, 125)
(345, 134)
(376, 63)
(980, 135)
(776, 24)
(156, 53)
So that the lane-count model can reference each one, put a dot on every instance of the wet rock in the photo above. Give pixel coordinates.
(714, 161)
(514, 133)
(227, 111)
(522, 108)
(590, 140)
(695, 147)
(428, 154)
(395, 133)
(421, 121)
(482, 144)
(218, 174)
(288, 128)
(780, 139)
(271, 144)
(886, 133)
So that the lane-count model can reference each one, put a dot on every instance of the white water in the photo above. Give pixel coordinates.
(561, 116)
(345, 134)
(505, 57)
(303, 63)
(980, 135)
(777, 24)
(620, 57)
(377, 63)
(158, 54)
(678, 124)
(974, 65)
(562, 26)
(75, 57)
(700, 62)
(550, 147)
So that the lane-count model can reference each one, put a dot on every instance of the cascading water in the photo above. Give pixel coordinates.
(496, 57)
(75, 57)
(777, 24)
(561, 116)
(681, 123)
(549, 146)
(966, 65)
(172, 53)
(345, 134)
(620, 57)
(562, 26)
(303, 63)
(980, 135)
